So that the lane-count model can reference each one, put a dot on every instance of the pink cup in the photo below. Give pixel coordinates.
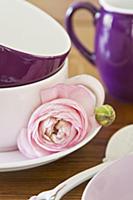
(114, 183)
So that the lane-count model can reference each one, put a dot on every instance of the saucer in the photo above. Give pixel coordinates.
(15, 160)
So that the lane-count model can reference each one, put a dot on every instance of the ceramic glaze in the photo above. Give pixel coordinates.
(15, 161)
(113, 44)
(21, 102)
(114, 182)
(33, 46)
(17, 104)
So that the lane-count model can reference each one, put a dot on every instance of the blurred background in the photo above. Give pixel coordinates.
(83, 26)
(57, 8)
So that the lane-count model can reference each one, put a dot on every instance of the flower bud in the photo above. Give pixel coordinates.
(105, 115)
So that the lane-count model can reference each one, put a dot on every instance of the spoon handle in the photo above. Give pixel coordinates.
(59, 191)
(77, 179)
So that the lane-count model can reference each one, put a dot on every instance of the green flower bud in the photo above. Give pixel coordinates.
(105, 115)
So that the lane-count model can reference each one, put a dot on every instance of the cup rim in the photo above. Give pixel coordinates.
(36, 83)
(36, 56)
(117, 9)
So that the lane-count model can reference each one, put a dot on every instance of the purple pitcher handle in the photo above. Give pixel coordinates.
(69, 26)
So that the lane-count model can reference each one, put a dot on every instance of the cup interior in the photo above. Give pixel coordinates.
(124, 6)
(113, 183)
(27, 29)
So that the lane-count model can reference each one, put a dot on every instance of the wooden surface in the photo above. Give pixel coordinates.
(21, 185)
(57, 8)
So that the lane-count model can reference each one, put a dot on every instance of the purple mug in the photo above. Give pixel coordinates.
(113, 44)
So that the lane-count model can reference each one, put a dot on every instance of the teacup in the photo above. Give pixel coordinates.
(112, 183)
(17, 104)
(33, 46)
(113, 43)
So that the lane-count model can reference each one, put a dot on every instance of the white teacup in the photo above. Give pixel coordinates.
(17, 104)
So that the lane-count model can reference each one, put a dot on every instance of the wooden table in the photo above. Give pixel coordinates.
(23, 184)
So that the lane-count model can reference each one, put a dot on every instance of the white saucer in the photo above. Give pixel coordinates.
(15, 161)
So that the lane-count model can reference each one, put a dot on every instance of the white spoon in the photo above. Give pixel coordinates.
(120, 144)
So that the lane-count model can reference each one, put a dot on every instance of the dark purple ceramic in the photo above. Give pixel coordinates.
(113, 45)
(33, 46)
(18, 68)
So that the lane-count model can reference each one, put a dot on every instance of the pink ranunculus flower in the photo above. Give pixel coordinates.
(63, 120)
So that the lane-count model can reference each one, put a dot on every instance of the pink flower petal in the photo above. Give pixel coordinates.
(85, 98)
(73, 105)
(76, 110)
(92, 84)
(26, 148)
(23, 144)
(78, 93)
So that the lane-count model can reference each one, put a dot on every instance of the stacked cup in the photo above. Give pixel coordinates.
(33, 55)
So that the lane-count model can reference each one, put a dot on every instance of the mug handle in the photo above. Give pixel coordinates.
(91, 56)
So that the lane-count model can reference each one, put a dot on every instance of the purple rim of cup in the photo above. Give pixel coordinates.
(31, 68)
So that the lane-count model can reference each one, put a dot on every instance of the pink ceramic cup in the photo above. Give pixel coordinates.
(114, 183)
